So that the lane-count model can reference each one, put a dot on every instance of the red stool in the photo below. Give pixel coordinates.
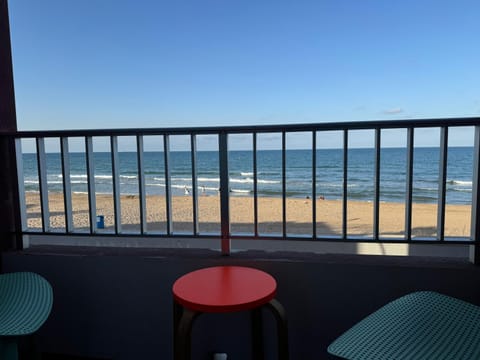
(223, 289)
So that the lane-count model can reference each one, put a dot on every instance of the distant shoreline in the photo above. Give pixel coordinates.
(299, 215)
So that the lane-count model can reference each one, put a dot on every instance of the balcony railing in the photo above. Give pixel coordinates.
(51, 167)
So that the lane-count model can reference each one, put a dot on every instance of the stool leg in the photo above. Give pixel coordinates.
(282, 328)
(257, 334)
(182, 335)
(177, 315)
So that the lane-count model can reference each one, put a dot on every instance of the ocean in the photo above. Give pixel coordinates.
(329, 173)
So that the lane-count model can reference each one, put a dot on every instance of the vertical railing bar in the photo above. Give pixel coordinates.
(224, 194)
(92, 205)
(21, 184)
(345, 184)
(66, 182)
(141, 185)
(376, 201)
(117, 207)
(255, 185)
(193, 149)
(475, 218)
(43, 185)
(284, 185)
(442, 183)
(314, 184)
(168, 189)
(409, 184)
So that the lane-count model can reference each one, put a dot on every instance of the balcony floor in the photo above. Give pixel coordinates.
(115, 303)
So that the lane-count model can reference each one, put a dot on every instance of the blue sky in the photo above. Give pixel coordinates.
(120, 64)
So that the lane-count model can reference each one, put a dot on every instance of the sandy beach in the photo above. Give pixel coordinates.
(299, 215)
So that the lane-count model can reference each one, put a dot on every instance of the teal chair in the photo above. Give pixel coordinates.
(25, 303)
(422, 325)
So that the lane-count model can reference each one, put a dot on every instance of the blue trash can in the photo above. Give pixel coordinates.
(100, 222)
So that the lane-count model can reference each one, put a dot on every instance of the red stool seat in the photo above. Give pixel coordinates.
(223, 289)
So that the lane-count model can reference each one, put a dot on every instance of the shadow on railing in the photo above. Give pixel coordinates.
(357, 181)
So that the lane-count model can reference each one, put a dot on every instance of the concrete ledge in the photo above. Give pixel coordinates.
(458, 251)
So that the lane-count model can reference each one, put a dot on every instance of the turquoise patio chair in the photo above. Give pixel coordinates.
(25, 303)
(422, 325)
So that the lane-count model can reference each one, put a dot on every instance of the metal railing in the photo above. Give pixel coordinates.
(223, 136)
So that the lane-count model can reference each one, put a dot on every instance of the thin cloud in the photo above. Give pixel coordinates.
(393, 111)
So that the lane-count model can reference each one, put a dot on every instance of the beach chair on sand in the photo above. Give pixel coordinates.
(421, 325)
(25, 303)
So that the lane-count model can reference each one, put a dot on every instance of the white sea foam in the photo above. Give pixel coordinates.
(246, 173)
(84, 176)
(155, 184)
(335, 185)
(181, 186)
(425, 188)
(260, 181)
(200, 188)
(250, 181)
(460, 182)
(240, 191)
(204, 179)
(208, 188)
(241, 181)
(98, 193)
(462, 190)
(181, 178)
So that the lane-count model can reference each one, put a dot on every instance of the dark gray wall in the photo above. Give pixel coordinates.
(117, 303)
(10, 226)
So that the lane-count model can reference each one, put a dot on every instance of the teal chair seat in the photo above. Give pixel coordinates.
(25, 303)
(422, 325)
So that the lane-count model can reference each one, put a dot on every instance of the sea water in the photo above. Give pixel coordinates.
(298, 173)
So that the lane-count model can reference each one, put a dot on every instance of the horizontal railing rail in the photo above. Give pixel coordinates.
(327, 126)
(167, 168)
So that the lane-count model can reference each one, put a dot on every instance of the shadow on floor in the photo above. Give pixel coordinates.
(48, 356)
